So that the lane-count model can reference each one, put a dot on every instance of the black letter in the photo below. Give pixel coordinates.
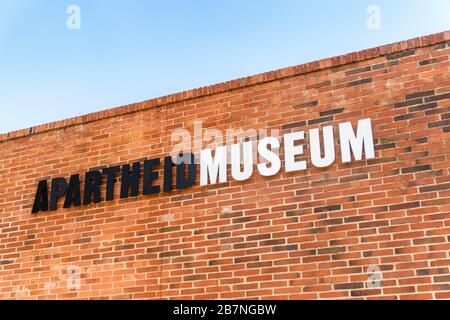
(41, 198)
(73, 192)
(182, 182)
(110, 173)
(92, 183)
(150, 175)
(130, 179)
(168, 165)
(59, 187)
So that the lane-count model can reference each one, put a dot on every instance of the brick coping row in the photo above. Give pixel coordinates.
(305, 68)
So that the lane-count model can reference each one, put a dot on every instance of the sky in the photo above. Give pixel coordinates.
(129, 51)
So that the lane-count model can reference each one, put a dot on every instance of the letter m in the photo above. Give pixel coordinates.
(213, 166)
(351, 143)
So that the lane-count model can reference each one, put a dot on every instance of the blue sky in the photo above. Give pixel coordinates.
(129, 51)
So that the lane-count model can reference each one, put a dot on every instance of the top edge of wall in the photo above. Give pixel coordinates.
(269, 76)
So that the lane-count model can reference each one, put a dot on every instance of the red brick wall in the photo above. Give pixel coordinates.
(305, 235)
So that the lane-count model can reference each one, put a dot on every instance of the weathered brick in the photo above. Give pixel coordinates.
(408, 103)
(404, 206)
(359, 82)
(423, 107)
(436, 187)
(319, 85)
(358, 70)
(417, 169)
(306, 105)
(400, 55)
(294, 125)
(444, 96)
(420, 94)
(331, 112)
(327, 208)
(320, 120)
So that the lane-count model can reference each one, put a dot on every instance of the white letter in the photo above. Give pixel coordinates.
(328, 143)
(198, 139)
(291, 151)
(374, 20)
(183, 147)
(73, 277)
(211, 167)
(236, 161)
(364, 139)
(270, 156)
(214, 137)
(74, 20)
(374, 280)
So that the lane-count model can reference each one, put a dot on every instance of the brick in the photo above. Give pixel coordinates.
(306, 105)
(331, 112)
(405, 117)
(439, 97)
(320, 120)
(358, 70)
(438, 124)
(219, 235)
(423, 107)
(438, 187)
(408, 103)
(430, 61)
(445, 278)
(292, 247)
(327, 208)
(348, 286)
(359, 82)
(354, 178)
(404, 206)
(294, 125)
(400, 55)
(385, 146)
(420, 94)
(416, 169)
(319, 85)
